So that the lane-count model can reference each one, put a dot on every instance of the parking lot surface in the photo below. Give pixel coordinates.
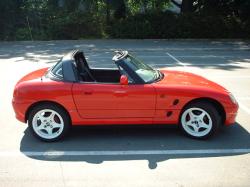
(128, 156)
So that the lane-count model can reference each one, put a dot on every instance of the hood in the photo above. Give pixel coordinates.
(33, 75)
(180, 78)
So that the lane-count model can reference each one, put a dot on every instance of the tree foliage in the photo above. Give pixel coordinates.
(76, 19)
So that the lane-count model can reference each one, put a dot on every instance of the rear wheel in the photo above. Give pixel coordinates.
(48, 122)
(200, 120)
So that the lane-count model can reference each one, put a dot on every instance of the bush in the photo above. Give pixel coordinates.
(22, 34)
(79, 25)
(75, 25)
(171, 25)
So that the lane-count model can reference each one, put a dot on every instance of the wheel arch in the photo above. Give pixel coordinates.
(44, 102)
(218, 106)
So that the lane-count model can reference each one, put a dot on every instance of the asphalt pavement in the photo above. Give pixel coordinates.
(128, 156)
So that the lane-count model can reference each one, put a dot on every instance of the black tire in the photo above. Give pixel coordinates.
(53, 107)
(210, 110)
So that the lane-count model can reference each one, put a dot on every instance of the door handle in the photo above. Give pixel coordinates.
(88, 92)
(120, 93)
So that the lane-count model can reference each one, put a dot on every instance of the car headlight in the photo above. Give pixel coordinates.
(233, 98)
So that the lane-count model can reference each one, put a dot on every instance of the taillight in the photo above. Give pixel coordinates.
(15, 93)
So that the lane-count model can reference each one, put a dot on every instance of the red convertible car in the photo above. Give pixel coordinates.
(71, 93)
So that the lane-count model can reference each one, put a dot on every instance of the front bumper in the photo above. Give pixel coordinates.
(231, 114)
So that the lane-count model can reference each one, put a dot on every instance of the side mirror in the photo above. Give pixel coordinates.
(124, 80)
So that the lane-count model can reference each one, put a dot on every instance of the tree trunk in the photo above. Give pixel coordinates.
(108, 11)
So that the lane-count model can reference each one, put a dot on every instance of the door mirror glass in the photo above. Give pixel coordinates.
(124, 80)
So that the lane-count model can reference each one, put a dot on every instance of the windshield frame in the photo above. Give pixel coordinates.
(135, 68)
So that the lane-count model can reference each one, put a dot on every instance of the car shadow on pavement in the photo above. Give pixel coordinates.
(136, 138)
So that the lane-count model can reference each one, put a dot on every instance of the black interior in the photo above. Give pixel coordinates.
(86, 74)
(106, 75)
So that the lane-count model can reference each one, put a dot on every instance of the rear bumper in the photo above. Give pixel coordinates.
(20, 109)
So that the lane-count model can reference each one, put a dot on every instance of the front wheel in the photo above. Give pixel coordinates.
(48, 122)
(200, 120)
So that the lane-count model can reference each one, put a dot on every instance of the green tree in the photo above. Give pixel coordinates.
(10, 15)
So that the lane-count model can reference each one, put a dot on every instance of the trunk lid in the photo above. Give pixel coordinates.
(33, 75)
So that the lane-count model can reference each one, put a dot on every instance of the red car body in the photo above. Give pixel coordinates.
(79, 95)
(121, 104)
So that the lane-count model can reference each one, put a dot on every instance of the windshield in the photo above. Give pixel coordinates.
(144, 71)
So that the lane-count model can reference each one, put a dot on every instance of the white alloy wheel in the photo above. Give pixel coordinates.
(196, 122)
(47, 124)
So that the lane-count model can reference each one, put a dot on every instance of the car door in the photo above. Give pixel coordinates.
(105, 101)
(136, 101)
(94, 100)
